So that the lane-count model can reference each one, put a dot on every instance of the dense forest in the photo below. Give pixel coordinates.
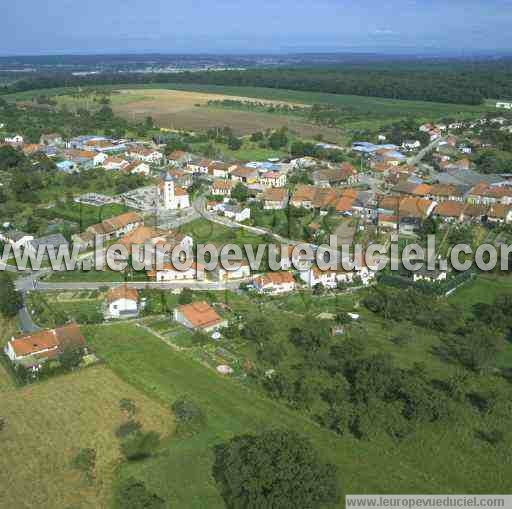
(460, 85)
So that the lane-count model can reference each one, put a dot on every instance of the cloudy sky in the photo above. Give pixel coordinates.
(242, 26)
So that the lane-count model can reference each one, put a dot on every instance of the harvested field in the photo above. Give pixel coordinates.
(179, 100)
(46, 426)
(176, 109)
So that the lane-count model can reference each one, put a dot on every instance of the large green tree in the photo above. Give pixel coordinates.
(10, 299)
(274, 469)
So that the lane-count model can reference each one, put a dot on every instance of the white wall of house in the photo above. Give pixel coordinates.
(224, 275)
(9, 351)
(141, 169)
(99, 159)
(176, 275)
(327, 279)
(122, 307)
(274, 205)
(276, 289)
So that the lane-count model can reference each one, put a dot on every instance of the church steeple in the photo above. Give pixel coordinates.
(169, 192)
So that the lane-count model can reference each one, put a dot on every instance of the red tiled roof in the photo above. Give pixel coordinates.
(450, 208)
(275, 278)
(122, 292)
(53, 339)
(200, 315)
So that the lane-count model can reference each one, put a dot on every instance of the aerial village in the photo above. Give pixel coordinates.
(375, 191)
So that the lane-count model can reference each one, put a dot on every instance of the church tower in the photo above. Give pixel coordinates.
(169, 193)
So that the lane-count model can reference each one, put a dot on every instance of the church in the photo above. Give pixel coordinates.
(172, 196)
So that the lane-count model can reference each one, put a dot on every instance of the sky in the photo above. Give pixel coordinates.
(35, 27)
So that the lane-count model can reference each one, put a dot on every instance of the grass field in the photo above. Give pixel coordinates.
(94, 276)
(435, 460)
(48, 423)
(483, 289)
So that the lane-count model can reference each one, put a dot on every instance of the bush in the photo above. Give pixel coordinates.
(133, 494)
(199, 338)
(140, 445)
(185, 296)
(127, 428)
(128, 406)
(85, 461)
(70, 358)
(189, 417)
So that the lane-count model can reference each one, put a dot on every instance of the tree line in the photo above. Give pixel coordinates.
(456, 85)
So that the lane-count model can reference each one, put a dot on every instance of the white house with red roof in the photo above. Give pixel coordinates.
(33, 350)
(199, 316)
(122, 302)
(275, 283)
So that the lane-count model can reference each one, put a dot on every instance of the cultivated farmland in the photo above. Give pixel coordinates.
(182, 109)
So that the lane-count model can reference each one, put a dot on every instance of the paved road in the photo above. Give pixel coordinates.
(414, 160)
(27, 325)
(25, 284)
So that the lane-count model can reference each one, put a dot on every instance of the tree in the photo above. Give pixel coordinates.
(273, 469)
(278, 139)
(70, 357)
(257, 328)
(311, 335)
(10, 300)
(176, 144)
(149, 123)
(477, 349)
(133, 494)
(186, 296)
(342, 318)
(235, 143)
(240, 193)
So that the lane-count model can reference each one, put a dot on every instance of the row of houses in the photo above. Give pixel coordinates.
(342, 200)
(114, 227)
(226, 176)
(27, 242)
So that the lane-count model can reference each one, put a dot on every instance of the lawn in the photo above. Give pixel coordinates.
(48, 423)
(250, 151)
(207, 232)
(435, 460)
(95, 276)
(53, 309)
(85, 215)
